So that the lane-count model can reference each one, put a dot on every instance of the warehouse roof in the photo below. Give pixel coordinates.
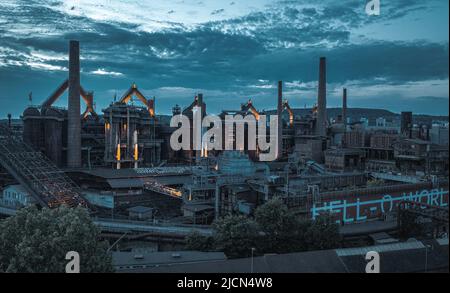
(140, 172)
(403, 257)
(140, 209)
(137, 261)
(125, 183)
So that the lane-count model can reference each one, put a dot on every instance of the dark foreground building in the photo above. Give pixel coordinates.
(408, 257)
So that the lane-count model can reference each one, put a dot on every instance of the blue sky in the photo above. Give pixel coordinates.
(230, 50)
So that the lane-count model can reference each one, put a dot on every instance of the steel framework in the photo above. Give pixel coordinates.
(49, 185)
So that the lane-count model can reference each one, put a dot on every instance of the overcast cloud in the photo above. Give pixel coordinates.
(229, 50)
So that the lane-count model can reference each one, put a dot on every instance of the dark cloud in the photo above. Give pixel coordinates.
(218, 11)
(396, 62)
(230, 56)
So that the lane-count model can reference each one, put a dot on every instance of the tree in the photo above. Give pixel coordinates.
(283, 231)
(236, 235)
(323, 233)
(38, 241)
(196, 241)
(409, 225)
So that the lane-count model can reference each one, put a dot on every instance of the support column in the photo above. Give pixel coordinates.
(217, 202)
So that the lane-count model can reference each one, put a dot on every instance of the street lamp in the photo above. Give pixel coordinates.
(117, 241)
(253, 250)
(426, 255)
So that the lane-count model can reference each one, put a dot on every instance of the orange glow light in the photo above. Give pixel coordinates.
(136, 152)
(118, 152)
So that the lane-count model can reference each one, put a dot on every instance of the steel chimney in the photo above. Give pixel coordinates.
(74, 121)
(322, 99)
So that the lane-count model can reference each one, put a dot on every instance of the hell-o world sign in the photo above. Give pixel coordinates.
(359, 210)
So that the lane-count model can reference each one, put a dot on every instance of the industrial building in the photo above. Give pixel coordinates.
(16, 196)
(408, 257)
(131, 132)
(119, 163)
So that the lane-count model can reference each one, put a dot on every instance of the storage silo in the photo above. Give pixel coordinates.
(53, 134)
(32, 128)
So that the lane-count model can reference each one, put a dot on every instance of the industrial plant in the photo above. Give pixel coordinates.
(118, 163)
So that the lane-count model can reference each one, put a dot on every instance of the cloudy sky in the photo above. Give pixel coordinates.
(231, 50)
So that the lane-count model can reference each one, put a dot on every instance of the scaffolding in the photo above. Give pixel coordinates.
(49, 185)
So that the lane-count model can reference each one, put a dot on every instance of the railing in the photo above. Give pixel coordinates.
(399, 178)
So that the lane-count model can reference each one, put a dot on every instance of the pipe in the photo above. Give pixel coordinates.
(344, 106)
(280, 126)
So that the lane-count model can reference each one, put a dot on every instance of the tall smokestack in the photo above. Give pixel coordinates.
(74, 122)
(344, 106)
(200, 100)
(198, 153)
(322, 98)
(279, 112)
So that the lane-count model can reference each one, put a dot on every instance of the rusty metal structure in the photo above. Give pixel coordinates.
(287, 108)
(87, 96)
(131, 132)
(249, 108)
(133, 91)
(61, 133)
(50, 186)
(192, 154)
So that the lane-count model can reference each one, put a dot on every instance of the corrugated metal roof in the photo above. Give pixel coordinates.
(140, 172)
(140, 209)
(112, 173)
(442, 241)
(125, 183)
(150, 259)
(380, 248)
(197, 207)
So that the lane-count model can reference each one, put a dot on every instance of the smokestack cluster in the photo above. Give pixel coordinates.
(344, 106)
(279, 112)
(74, 122)
(322, 99)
